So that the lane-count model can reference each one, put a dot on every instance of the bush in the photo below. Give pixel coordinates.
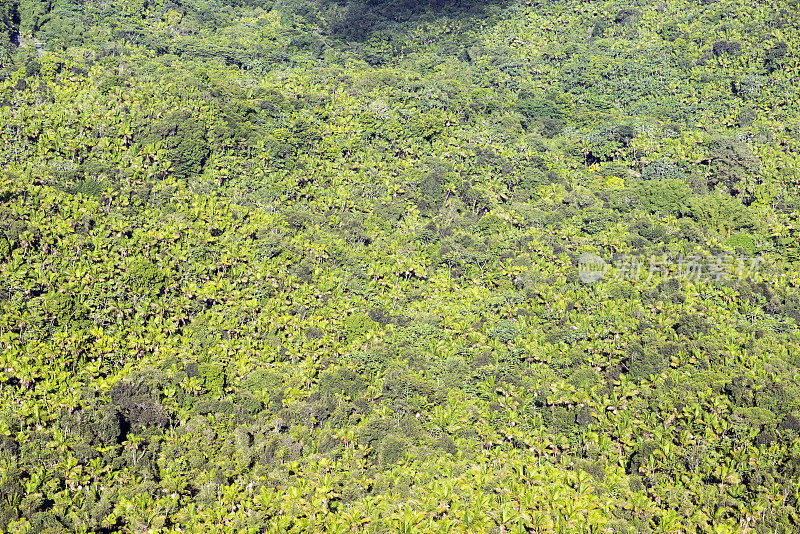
(663, 169)
(137, 402)
(214, 406)
(774, 56)
(106, 425)
(403, 385)
(184, 138)
(357, 325)
(652, 232)
(447, 444)
(758, 478)
(146, 277)
(729, 162)
(670, 30)
(776, 398)
(595, 220)
(791, 422)
(213, 377)
(741, 392)
(545, 115)
(640, 456)
(662, 196)
(5, 247)
(636, 484)
(643, 362)
(9, 447)
(427, 126)
(595, 469)
(11, 484)
(432, 184)
(726, 48)
(504, 331)
(61, 307)
(490, 224)
(340, 382)
(599, 28)
(690, 326)
(110, 83)
(746, 117)
(32, 14)
(563, 419)
(627, 16)
(719, 212)
(742, 244)
(392, 449)
(373, 432)
(583, 375)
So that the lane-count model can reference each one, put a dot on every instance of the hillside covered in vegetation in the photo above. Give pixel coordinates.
(370, 266)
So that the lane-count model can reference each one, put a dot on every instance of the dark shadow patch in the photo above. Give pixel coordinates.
(358, 20)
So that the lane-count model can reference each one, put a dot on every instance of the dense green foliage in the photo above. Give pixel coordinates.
(315, 266)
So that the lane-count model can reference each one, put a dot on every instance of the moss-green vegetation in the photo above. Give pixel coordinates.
(317, 266)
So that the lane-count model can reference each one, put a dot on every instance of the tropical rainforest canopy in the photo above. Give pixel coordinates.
(375, 266)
